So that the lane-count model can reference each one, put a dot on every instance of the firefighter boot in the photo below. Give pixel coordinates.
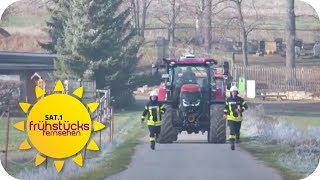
(152, 145)
(238, 138)
(232, 143)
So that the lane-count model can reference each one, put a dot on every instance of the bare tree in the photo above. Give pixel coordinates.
(244, 25)
(208, 25)
(206, 10)
(170, 16)
(290, 34)
(200, 16)
(135, 14)
(139, 14)
(172, 27)
(145, 6)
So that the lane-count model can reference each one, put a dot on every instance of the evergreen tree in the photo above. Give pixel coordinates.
(99, 44)
(59, 11)
(72, 53)
(117, 45)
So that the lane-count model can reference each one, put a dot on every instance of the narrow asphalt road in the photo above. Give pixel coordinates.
(192, 158)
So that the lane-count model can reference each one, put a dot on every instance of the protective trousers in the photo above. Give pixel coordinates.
(154, 132)
(234, 129)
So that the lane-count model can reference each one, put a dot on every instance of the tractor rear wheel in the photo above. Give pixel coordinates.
(217, 132)
(168, 132)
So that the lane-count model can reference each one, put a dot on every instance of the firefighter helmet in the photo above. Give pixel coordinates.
(153, 93)
(233, 88)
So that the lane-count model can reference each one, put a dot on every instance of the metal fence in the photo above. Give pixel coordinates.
(280, 79)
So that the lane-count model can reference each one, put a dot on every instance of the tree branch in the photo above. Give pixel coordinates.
(227, 7)
(304, 15)
(148, 3)
(219, 2)
(161, 20)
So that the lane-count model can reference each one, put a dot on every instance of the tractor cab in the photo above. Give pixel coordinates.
(192, 90)
(187, 71)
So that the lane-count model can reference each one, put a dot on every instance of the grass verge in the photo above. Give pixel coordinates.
(115, 163)
(270, 154)
(283, 143)
(119, 157)
(15, 137)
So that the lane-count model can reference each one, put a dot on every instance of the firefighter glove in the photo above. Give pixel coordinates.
(224, 116)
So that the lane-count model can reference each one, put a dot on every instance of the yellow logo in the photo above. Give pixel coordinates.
(59, 126)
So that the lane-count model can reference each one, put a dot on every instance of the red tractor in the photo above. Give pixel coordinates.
(194, 93)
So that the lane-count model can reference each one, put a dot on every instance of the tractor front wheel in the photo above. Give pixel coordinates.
(217, 131)
(168, 132)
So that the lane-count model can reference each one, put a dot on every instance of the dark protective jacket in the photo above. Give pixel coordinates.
(189, 77)
(153, 111)
(232, 104)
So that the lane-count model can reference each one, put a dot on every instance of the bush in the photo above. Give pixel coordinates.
(9, 94)
(147, 79)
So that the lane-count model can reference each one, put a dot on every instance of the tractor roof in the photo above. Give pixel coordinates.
(190, 60)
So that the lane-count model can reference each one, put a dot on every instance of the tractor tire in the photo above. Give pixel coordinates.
(168, 132)
(218, 125)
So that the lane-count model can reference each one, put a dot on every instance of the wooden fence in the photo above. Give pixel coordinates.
(89, 92)
(281, 79)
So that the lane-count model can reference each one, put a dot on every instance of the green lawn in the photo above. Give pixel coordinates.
(302, 121)
(301, 22)
(17, 160)
(15, 136)
(24, 21)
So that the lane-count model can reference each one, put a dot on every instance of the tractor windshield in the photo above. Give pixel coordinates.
(190, 74)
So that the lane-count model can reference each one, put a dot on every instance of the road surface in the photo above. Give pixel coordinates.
(192, 158)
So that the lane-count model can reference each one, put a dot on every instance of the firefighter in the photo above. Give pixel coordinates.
(153, 111)
(235, 106)
(189, 76)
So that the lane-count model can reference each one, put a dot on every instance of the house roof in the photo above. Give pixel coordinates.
(26, 61)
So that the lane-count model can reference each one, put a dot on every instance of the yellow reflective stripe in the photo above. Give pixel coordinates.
(152, 139)
(142, 116)
(150, 113)
(153, 123)
(162, 108)
(146, 108)
(234, 119)
(158, 113)
(230, 110)
(244, 102)
(232, 136)
(225, 110)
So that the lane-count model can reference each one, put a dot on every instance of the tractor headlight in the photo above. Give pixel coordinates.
(185, 103)
(197, 103)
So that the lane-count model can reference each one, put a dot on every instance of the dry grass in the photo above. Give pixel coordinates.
(23, 40)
